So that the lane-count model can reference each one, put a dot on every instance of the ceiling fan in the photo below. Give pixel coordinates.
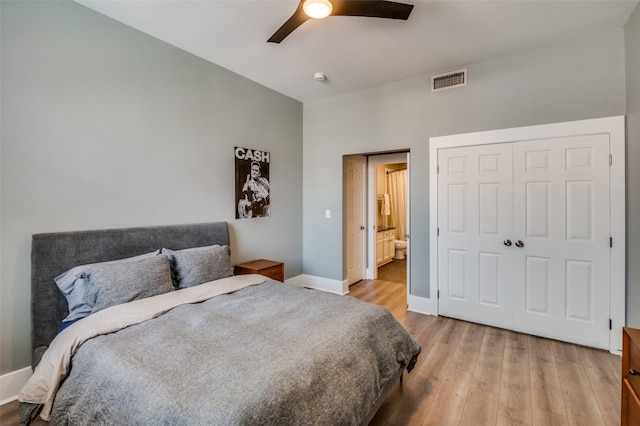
(322, 8)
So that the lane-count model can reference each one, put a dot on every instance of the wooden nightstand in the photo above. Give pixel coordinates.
(630, 413)
(269, 268)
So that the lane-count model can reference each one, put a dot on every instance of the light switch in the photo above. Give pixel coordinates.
(327, 214)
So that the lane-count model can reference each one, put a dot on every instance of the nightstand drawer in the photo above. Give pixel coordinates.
(630, 405)
(630, 413)
(268, 268)
(631, 367)
(634, 364)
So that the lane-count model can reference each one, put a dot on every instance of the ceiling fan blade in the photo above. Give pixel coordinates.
(298, 18)
(369, 8)
(372, 8)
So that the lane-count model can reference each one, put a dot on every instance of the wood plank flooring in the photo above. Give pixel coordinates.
(470, 374)
(394, 271)
(10, 416)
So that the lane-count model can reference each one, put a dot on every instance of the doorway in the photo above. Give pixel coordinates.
(391, 214)
(389, 218)
(361, 224)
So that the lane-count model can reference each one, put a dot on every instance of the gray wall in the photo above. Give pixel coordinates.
(632, 48)
(104, 126)
(570, 81)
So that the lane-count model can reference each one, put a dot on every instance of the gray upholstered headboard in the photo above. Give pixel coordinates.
(55, 253)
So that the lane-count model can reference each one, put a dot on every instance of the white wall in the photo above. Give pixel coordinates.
(104, 126)
(569, 81)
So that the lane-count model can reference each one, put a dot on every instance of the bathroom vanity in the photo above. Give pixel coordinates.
(385, 245)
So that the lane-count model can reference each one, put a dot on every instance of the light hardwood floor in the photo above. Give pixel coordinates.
(470, 374)
(474, 375)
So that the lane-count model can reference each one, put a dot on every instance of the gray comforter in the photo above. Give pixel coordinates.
(270, 354)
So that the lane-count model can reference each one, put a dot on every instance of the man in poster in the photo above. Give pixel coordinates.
(252, 183)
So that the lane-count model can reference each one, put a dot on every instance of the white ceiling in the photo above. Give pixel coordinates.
(354, 52)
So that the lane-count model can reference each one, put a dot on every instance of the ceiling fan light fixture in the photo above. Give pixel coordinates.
(317, 9)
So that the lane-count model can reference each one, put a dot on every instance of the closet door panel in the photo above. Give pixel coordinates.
(474, 219)
(561, 213)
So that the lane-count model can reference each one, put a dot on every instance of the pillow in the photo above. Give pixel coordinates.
(113, 284)
(73, 285)
(199, 265)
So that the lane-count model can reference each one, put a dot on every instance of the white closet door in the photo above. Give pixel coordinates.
(475, 212)
(550, 200)
(562, 216)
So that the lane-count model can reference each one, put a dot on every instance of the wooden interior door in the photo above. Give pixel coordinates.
(355, 167)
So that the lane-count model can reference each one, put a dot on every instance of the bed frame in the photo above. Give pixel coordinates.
(54, 253)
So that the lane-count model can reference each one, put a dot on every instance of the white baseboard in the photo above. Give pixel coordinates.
(422, 305)
(320, 283)
(370, 274)
(11, 384)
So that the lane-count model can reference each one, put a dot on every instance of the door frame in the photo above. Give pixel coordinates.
(615, 128)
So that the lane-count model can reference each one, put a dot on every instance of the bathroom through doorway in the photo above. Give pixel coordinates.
(388, 206)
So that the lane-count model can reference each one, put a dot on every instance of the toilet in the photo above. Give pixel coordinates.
(401, 246)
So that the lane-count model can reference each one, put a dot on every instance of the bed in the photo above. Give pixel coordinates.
(220, 349)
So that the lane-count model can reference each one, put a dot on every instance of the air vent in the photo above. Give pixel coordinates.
(449, 80)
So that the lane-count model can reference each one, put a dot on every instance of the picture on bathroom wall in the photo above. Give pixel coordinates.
(252, 183)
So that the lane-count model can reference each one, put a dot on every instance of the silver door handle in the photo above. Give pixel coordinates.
(519, 243)
(507, 243)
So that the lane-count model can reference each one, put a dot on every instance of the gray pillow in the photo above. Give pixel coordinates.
(74, 285)
(113, 284)
(199, 265)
